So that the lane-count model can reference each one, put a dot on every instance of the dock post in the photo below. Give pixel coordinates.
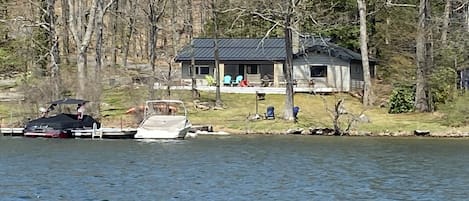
(96, 133)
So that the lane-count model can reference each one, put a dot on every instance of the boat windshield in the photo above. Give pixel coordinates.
(165, 108)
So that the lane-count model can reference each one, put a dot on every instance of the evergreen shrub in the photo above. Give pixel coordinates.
(401, 100)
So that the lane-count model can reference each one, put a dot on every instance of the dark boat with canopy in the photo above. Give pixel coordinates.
(62, 124)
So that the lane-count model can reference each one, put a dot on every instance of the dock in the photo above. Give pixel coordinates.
(115, 133)
(12, 131)
(108, 133)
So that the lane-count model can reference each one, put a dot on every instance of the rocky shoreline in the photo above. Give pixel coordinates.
(330, 132)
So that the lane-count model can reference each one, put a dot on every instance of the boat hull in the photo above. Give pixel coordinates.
(143, 133)
(164, 119)
(53, 134)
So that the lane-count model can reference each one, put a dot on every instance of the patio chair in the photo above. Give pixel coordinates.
(238, 80)
(270, 114)
(296, 109)
(227, 80)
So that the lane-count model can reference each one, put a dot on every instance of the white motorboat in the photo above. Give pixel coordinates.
(164, 119)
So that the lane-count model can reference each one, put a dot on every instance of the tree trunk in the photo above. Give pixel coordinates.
(421, 91)
(99, 50)
(54, 49)
(82, 36)
(65, 31)
(3, 15)
(99, 42)
(367, 92)
(190, 26)
(387, 34)
(81, 75)
(154, 17)
(218, 101)
(130, 31)
(288, 67)
(174, 39)
(152, 49)
(467, 15)
(114, 21)
(444, 29)
(336, 116)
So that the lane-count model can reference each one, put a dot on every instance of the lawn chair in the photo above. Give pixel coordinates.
(227, 80)
(296, 109)
(238, 80)
(270, 114)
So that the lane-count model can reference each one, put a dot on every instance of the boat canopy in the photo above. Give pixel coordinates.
(68, 101)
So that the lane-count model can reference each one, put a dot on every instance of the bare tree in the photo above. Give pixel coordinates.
(114, 20)
(82, 35)
(49, 25)
(367, 92)
(444, 29)
(3, 17)
(154, 13)
(218, 101)
(424, 54)
(99, 51)
(65, 31)
(288, 67)
(174, 47)
(130, 29)
(467, 15)
(190, 27)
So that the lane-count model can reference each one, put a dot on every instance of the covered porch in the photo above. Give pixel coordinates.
(250, 90)
(253, 73)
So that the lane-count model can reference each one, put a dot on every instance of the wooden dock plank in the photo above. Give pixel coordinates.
(87, 133)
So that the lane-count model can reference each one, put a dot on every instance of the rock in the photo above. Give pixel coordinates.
(321, 131)
(363, 118)
(201, 105)
(306, 132)
(218, 108)
(253, 117)
(295, 131)
(422, 132)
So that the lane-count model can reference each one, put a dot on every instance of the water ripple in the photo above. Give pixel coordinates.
(235, 168)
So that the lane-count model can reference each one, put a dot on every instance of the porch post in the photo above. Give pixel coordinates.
(222, 73)
(278, 72)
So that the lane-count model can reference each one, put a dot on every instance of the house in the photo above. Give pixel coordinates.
(317, 62)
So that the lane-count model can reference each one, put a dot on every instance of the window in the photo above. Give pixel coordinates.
(252, 69)
(357, 69)
(318, 71)
(202, 70)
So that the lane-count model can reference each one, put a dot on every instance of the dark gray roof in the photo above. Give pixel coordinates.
(233, 49)
(256, 49)
(324, 46)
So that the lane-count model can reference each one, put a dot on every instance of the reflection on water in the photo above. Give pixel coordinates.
(235, 168)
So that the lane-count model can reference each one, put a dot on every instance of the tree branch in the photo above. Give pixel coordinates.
(389, 3)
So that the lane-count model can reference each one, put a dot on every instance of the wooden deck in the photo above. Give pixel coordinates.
(116, 133)
(253, 90)
(109, 133)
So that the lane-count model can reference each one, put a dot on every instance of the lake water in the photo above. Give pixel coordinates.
(235, 168)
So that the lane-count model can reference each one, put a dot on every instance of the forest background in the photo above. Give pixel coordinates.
(94, 49)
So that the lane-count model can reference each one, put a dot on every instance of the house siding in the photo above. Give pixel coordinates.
(338, 71)
(186, 70)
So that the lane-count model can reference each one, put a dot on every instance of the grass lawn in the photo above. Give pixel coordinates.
(238, 107)
(314, 112)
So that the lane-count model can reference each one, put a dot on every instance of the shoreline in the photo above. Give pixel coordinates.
(301, 132)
